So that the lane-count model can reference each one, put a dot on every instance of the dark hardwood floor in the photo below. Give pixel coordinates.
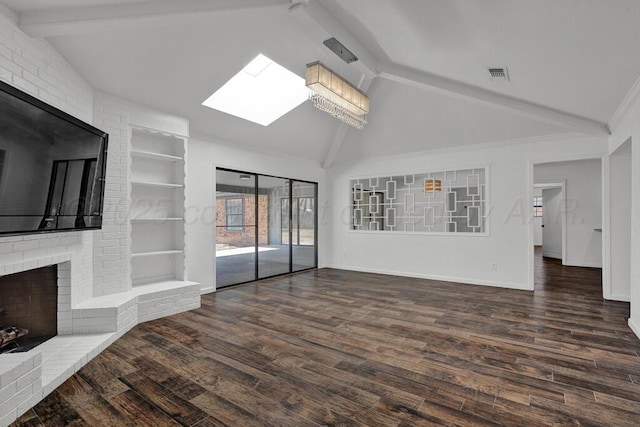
(332, 347)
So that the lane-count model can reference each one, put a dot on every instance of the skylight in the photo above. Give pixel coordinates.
(261, 92)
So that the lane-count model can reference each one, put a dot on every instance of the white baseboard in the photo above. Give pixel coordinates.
(635, 327)
(551, 254)
(618, 297)
(582, 264)
(462, 280)
(207, 290)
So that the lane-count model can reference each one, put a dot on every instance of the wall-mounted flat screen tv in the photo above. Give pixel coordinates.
(52, 167)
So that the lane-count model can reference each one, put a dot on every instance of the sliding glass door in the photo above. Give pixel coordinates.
(265, 226)
(303, 225)
(236, 227)
(273, 253)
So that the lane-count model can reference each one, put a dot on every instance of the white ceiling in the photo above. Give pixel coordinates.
(571, 63)
(425, 123)
(40, 5)
(570, 55)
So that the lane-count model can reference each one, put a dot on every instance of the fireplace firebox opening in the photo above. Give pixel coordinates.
(28, 309)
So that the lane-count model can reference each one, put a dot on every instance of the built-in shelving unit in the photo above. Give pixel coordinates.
(157, 207)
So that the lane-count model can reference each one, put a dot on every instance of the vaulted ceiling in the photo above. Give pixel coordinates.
(423, 63)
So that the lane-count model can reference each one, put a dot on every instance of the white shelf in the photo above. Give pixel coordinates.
(155, 156)
(156, 184)
(143, 220)
(156, 253)
(158, 169)
(164, 285)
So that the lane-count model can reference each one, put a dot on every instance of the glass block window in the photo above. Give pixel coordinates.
(432, 202)
(537, 206)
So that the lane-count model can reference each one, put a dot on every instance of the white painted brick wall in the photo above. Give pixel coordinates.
(34, 66)
(37, 68)
(92, 264)
(112, 249)
(100, 260)
(20, 379)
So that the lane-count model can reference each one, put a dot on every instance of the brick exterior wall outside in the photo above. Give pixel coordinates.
(247, 237)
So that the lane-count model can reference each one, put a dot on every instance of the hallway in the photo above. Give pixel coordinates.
(551, 275)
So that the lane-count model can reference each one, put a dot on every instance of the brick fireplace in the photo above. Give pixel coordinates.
(29, 303)
(85, 325)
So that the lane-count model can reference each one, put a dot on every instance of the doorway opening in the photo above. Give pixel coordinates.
(567, 224)
(549, 207)
(265, 226)
(552, 219)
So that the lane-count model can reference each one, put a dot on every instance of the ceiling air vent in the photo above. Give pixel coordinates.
(499, 73)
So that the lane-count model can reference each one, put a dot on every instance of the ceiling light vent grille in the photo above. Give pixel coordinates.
(499, 73)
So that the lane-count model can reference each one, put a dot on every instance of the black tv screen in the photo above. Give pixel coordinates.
(52, 167)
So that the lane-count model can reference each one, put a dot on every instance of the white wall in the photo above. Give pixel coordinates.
(204, 154)
(625, 126)
(537, 221)
(620, 223)
(634, 320)
(466, 259)
(583, 194)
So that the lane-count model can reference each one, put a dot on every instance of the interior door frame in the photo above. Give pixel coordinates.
(604, 179)
(563, 211)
